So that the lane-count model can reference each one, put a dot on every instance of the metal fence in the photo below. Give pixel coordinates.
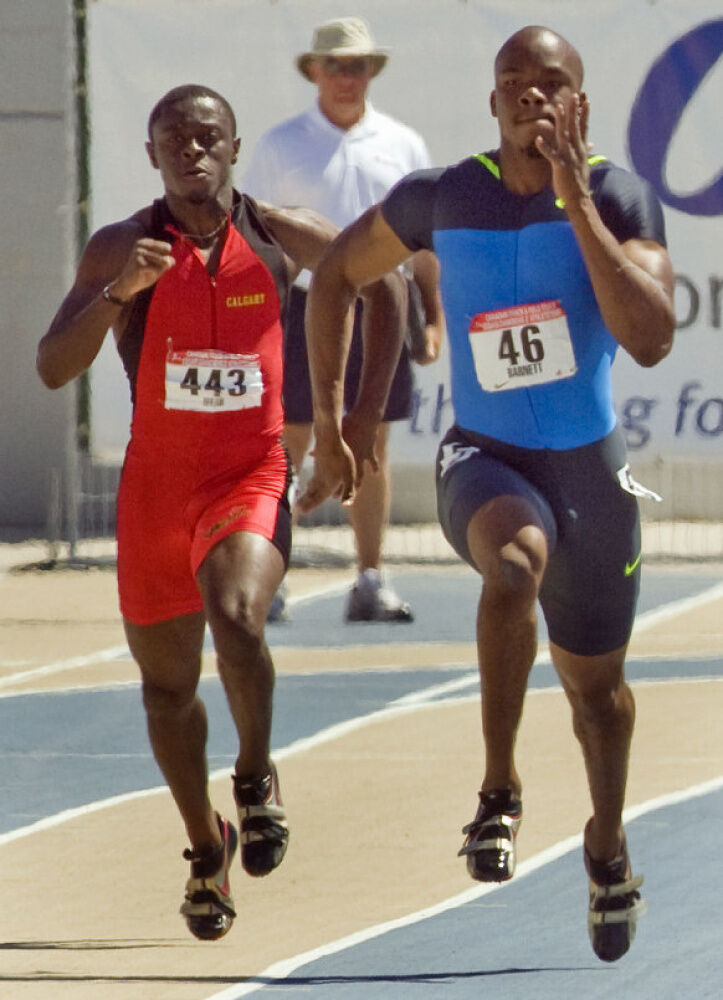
(81, 521)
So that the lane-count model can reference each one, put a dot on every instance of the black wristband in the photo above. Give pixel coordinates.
(109, 297)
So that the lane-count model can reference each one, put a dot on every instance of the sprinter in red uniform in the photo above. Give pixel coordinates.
(194, 288)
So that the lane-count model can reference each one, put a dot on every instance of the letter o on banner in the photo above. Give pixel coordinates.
(659, 106)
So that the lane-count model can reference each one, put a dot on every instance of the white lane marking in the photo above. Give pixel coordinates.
(101, 656)
(281, 970)
(423, 700)
(333, 732)
(647, 619)
(643, 622)
(122, 652)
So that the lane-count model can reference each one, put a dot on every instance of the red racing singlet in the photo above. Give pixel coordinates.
(204, 352)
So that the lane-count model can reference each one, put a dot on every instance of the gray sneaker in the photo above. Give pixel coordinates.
(278, 611)
(369, 603)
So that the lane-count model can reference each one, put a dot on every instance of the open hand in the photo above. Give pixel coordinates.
(334, 475)
(360, 435)
(568, 155)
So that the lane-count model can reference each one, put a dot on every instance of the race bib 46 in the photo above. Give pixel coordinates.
(521, 346)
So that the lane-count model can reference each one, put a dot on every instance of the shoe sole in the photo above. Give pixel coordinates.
(208, 916)
(495, 846)
(264, 834)
(261, 867)
(612, 931)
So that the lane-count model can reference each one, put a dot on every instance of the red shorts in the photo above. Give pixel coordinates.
(168, 522)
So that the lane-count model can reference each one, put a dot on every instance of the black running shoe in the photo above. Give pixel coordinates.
(490, 844)
(208, 906)
(615, 905)
(262, 823)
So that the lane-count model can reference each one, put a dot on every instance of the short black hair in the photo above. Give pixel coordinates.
(184, 92)
(533, 32)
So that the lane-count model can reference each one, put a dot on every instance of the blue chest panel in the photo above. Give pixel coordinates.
(487, 270)
(498, 249)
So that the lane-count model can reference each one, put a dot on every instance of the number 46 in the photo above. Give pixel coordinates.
(530, 344)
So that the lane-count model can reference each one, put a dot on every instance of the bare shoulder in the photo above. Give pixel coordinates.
(108, 248)
(302, 233)
(122, 234)
(296, 218)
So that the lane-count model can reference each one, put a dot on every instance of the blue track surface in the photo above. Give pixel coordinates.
(529, 939)
(46, 740)
(525, 939)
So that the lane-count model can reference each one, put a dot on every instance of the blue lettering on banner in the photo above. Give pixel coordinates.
(418, 402)
(708, 413)
(695, 414)
(419, 405)
(659, 106)
(635, 413)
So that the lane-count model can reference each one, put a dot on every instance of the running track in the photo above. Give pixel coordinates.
(77, 757)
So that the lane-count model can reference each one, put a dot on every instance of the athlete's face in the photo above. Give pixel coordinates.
(534, 70)
(193, 146)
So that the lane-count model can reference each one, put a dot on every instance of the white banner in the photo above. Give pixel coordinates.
(653, 76)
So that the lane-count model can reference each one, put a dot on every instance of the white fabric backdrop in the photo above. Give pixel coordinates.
(437, 80)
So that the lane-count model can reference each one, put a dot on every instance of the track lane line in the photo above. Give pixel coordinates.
(123, 652)
(276, 973)
(425, 699)
(643, 622)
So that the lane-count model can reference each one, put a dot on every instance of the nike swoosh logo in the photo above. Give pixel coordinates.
(631, 567)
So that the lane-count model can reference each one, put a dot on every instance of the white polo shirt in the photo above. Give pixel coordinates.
(308, 161)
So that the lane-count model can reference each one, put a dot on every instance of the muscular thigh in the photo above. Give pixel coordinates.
(469, 475)
(590, 590)
(591, 584)
(168, 652)
(255, 501)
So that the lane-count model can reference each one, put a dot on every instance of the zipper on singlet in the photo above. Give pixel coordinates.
(214, 310)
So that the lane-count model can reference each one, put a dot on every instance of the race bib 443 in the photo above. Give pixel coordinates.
(212, 381)
(521, 346)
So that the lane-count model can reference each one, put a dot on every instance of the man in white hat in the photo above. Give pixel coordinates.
(340, 157)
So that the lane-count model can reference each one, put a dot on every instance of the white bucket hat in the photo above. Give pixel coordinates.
(344, 38)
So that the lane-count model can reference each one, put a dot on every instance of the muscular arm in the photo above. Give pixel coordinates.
(118, 256)
(302, 234)
(359, 256)
(633, 281)
(426, 274)
(633, 284)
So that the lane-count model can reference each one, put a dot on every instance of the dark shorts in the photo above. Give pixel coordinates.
(590, 589)
(297, 384)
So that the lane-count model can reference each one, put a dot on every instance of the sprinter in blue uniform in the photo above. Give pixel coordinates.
(550, 260)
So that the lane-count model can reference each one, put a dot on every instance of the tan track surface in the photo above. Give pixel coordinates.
(89, 908)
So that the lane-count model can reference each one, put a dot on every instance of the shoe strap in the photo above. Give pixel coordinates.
(503, 825)
(611, 872)
(205, 864)
(617, 889)
(254, 792)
